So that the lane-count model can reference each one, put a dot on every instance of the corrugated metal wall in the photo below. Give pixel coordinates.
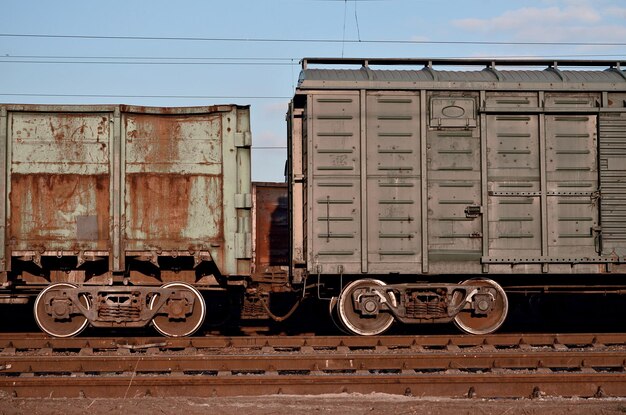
(416, 181)
(613, 180)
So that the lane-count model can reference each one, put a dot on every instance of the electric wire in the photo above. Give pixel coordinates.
(43, 95)
(149, 63)
(155, 60)
(312, 40)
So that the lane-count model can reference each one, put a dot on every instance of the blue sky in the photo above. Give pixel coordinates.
(224, 58)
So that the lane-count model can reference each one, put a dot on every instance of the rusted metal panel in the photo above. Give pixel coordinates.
(117, 261)
(122, 181)
(173, 212)
(170, 144)
(59, 180)
(4, 263)
(184, 187)
(52, 212)
(173, 182)
(270, 229)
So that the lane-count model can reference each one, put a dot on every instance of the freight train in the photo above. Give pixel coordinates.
(416, 192)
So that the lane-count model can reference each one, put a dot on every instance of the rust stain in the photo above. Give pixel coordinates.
(163, 135)
(272, 225)
(159, 208)
(45, 209)
(159, 203)
(184, 111)
(59, 137)
(71, 127)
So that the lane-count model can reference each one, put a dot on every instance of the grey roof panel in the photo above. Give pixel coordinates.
(466, 76)
(544, 76)
(594, 76)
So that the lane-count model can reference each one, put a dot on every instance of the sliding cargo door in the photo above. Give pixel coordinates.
(514, 183)
(542, 186)
(572, 185)
(393, 183)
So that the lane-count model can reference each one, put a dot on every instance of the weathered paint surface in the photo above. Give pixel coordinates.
(271, 227)
(126, 181)
(173, 181)
(183, 144)
(170, 211)
(59, 212)
(59, 181)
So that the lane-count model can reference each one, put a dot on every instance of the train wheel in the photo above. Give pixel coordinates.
(53, 312)
(189, 321)
(472, 323)
(354, 321)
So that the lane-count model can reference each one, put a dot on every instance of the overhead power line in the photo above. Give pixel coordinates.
(248, 60)
(312, 40)
(269, 147)
(146, 96)
(151, 63)
(210, 58)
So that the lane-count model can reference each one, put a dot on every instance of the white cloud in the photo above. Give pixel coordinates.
(532, 17)
(567, 21)
(619, 12)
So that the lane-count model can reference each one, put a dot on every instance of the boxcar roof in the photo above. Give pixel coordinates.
(548, 75)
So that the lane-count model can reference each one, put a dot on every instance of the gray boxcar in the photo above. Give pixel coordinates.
(122, 213)
(404, 179)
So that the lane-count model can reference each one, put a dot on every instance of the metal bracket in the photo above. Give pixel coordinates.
(200, 257)
(243, 139)
(473, 211)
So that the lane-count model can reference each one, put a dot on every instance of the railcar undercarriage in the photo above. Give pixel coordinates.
(64, 310)
(369, 307)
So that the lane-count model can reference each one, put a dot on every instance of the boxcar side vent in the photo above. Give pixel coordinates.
(613, 183)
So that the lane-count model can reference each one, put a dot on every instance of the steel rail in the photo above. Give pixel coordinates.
(495, 385)
(9, 342)
(328, 363)
(505, 365)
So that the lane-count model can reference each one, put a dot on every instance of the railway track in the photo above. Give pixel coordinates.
(504, 365)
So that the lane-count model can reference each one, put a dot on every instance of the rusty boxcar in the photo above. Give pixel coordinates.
(406, 177)
(119, 216)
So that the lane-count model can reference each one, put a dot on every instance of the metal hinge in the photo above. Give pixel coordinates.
(243, 139)
(243, 200)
